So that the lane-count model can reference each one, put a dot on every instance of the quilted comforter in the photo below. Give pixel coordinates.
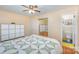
(33, 44)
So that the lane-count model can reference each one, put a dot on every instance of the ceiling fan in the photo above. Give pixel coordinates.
(31, 8)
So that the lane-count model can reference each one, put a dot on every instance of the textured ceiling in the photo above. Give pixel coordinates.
(19, 9)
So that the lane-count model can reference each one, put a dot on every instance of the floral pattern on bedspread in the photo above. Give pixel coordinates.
(30, 45)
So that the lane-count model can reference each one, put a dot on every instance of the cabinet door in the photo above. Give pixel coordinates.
(4, 37)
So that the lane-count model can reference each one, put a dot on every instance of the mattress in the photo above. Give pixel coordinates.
(33, 44)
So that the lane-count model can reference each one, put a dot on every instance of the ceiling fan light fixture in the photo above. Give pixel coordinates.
(31, 11)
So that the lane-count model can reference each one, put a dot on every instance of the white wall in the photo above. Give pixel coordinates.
(8, 17)
(34, 25)
(54, 21)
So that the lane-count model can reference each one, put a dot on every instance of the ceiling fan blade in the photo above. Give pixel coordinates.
(25, 10)
(30, 6)
(37, 10)
(24, 6)
(35, 6)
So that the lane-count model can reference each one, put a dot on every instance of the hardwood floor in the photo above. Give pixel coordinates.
(44, 34)
(67, 50)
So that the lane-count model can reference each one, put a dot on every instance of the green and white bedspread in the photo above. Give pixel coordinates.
(33, 44)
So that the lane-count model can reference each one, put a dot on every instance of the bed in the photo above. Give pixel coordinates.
(33, 44)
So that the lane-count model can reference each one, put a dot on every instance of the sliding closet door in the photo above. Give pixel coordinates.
(22, 30)
(17, 30)
(4, 32)
(12, 31)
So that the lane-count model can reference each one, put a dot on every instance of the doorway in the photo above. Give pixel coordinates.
(43, 27)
